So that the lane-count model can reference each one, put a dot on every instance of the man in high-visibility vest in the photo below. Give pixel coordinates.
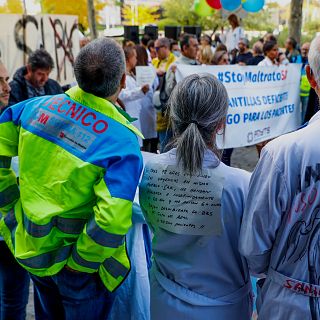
(79, 163)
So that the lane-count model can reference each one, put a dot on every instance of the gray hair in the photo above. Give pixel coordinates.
(314, 58)
(99, 67)
(258, 48)
(198, 108)
(165, 42)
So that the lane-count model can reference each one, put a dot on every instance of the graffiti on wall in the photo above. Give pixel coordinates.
(58, 34)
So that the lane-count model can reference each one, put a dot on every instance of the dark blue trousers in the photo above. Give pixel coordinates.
(71, 295)
(14, 286)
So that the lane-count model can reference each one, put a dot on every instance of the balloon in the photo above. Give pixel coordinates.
(215, 4)
(202, 8)
(252, 5)
(230, 5)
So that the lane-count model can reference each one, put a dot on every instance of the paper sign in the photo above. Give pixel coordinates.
(145, 75)
(181, 204)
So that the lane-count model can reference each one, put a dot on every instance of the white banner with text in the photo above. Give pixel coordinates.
(264, 102)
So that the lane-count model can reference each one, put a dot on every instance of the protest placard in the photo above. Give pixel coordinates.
(263, 101)
(145, 75)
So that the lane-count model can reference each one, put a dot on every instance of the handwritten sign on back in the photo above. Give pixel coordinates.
(181, 204)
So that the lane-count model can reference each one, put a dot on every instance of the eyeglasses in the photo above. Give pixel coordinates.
(158, 48)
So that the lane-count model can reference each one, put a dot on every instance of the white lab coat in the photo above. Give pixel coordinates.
(233, 37)
(132, 97)
(281, 225)
(197, 276)
(148, 114)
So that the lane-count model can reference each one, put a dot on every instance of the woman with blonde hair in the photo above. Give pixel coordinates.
(205, 55)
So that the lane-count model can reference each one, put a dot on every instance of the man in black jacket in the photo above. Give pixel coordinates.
(33, 80)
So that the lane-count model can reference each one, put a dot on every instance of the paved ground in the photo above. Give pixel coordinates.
(244, 158)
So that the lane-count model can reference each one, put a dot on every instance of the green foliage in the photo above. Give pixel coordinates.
(12, 6)
(181, 12)
(262, 20)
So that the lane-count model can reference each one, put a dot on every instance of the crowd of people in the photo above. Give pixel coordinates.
(71, 162)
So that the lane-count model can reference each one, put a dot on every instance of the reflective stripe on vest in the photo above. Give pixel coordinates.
(115, 268)
(11, 223)
(103, 237)
(5, 162)
(48, 259)
(82, 262)
(65, 225)
(8, 195)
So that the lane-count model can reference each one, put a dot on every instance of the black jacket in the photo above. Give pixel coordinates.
(19, 90)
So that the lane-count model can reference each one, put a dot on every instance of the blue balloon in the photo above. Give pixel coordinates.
(252, 5)
(230, 5)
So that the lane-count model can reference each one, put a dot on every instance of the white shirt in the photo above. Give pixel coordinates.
(233, 37)
(266, 62)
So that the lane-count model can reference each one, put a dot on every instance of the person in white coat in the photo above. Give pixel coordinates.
(234, 35)
(194, 204)
(281, 225)
(133, 94)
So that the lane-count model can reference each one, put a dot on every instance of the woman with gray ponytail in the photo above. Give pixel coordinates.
(194, 203)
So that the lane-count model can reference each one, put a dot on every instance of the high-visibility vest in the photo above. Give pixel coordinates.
(79, 163)
(304, 86)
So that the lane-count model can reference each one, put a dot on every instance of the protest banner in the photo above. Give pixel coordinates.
(58, 34)
(264, 102)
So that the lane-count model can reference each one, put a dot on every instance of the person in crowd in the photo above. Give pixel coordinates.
(234, 35)
(189, 49)
(33, 79)
(304, 85)
(175, 48)
(79, 163)
(221, 47)
(198, 272)
(164, 57)
(269, 37)
(244, 54)
(206, 55)
(220, 58)
(205, 40)
(271, 51)
(162, 65)
(282, 58)
(4, 87)
(148, 115)
(144, 42)
(14, 279)
(257, 54)
(292, 51)
(152, 50)
(216, 41)
(132, 95)
(280, 228)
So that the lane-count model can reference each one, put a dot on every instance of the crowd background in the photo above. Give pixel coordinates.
(147, 104)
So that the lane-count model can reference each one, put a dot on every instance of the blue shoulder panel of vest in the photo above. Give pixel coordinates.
(87, 134)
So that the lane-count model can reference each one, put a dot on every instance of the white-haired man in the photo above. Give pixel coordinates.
(281, 225)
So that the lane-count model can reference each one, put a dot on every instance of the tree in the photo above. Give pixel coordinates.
(92, 19)
(181, 12)
(72, 7)
(142, 16)
(295, 21)
(262, 20)
(12, 6)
